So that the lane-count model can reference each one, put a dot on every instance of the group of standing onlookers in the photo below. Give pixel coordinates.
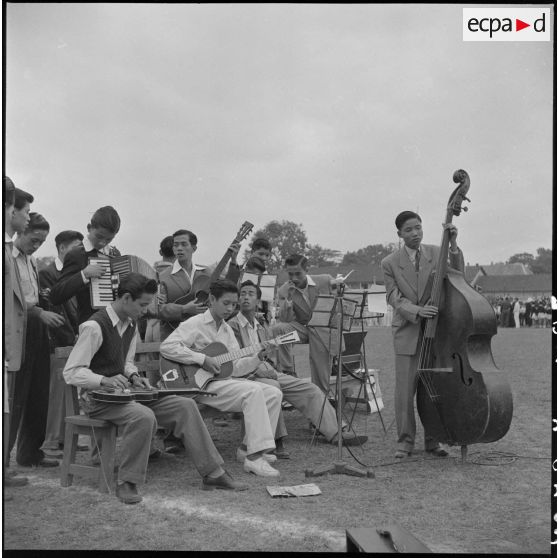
(533, 312)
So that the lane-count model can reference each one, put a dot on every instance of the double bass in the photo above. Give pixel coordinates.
(462, 396)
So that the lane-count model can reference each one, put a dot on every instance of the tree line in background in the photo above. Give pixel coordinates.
(288, 237)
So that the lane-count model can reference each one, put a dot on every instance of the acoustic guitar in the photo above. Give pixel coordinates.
(192, 374)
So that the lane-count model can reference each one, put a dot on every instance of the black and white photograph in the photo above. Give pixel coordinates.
(279, 277)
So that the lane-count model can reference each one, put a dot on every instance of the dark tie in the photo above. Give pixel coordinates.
(417, 260)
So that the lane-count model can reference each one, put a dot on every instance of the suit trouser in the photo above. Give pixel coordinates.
(406, 381)
(138, 424)
(318, 340)
(29, 408)
(260, 404)
(307, 398)
(55, 426)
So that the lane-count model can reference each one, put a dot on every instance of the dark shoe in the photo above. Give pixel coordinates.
(128, 493)
(44, 462)
(286, 406)
(80, 447)
(281, 453)
(220, 421)
(437, 452)
(401, 454)
(53, 454)
(173, 448)
(16, 481)
(155, 454)
(224, 482)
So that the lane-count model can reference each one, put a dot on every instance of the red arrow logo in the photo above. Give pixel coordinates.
(519, 25)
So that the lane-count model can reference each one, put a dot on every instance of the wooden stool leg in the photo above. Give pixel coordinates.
(107, 454)
(70, 448)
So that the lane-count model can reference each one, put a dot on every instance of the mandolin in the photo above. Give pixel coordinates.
(192, 374)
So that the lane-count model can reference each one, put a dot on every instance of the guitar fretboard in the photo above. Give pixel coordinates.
(233, 355)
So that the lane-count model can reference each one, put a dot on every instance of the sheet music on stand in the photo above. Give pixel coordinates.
(325, 312)
(265, 281)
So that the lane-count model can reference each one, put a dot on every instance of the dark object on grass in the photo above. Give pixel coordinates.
(387, 538)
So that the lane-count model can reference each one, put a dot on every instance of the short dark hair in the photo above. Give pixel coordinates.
(166, 247)
(36, 223)
(256, 262)
(222, 286)
(106, 217)
(191, 236)
(297, 259)
(9, 191)
(136, 284)
(21, 198)
(260, 242)
(405, 216)
(250, 283)
(65, 237)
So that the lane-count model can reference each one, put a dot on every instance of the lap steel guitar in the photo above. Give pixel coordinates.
(112, 395)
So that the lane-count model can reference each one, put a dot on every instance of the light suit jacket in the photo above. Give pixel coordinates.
(300, 311)
(15, 313)
(406, 292)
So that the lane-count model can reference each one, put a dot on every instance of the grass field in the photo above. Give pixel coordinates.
(494, 503)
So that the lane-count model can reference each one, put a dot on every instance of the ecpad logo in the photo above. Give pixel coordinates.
(506, 24)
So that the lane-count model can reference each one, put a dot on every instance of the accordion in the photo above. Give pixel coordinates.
(103, 289)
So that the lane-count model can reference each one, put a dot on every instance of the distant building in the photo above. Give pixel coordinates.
(474, 272)
(520, 286)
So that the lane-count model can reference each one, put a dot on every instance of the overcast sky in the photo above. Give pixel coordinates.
(337, 117)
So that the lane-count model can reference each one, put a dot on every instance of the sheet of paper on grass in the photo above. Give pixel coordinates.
(309, 489)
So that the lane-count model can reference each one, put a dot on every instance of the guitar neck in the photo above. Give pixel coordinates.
(234, 355)
(220, 266)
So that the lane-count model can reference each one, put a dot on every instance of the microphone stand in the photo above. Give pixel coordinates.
(339, 467)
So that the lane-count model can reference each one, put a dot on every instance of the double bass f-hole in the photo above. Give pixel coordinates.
(467, 379)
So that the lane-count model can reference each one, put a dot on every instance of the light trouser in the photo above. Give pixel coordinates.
(260, 404)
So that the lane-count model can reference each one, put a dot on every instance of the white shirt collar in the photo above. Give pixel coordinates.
(7, 237)
(88, 246)
(309, 283)
(176, 267)
(411, 252)
(16, 252)
(242, 320)
(58, 264)
(114, 317)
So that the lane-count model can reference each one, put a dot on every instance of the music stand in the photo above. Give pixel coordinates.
(339, 467)
(365, 378)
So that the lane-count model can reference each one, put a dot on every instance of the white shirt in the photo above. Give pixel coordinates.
(190, 337)
(27, 276)
(251, 328)
(77, 371)
(304, 291)
(411, 253)
(177, 268)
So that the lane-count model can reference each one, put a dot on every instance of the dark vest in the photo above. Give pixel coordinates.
(110, 359)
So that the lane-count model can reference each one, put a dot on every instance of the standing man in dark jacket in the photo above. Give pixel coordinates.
(63, 336)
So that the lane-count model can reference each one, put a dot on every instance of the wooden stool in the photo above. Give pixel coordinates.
(102, 432)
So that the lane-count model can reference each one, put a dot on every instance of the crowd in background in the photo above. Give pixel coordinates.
(532, 312)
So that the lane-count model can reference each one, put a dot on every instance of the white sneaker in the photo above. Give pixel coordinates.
(241, 456)
(260, 467)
